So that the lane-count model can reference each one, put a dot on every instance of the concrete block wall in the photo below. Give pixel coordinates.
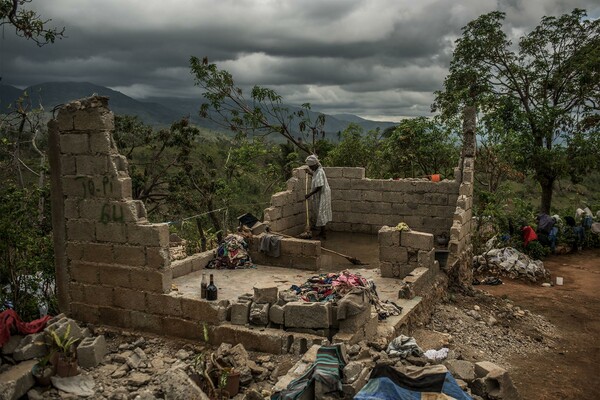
(365, 205)
(112, 266)
(295, 253)
(287, 212)
(401, 252)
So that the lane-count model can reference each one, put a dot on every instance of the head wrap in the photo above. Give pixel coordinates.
(312, 160)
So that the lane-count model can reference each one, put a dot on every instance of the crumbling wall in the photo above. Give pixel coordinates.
(365, 205)
(112, 265)
(294, 253)
(458, 267)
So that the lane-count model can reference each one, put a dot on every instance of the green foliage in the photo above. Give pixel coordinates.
(28, 23)
(64, 344)
(536, 250)
(546, 91)
(355, 149)
(421, 147)
(263, 114)
(26, 251)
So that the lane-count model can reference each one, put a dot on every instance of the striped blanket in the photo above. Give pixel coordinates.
(323, 377)
(387, 383)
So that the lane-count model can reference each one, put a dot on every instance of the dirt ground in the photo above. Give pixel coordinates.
(570, 368)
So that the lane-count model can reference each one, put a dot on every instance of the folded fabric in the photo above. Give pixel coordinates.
(404, 346)
(270, 245)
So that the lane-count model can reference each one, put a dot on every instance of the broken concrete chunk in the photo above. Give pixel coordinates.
(352, 371)
(240, 313)
(299, 314)
(259, 314)
(276, 314)
(32, 346)
(265, 294)
(461, 369)
(10, 346)
(17, 381)
(287, 296)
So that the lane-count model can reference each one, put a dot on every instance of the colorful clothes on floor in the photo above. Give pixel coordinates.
(232, 254)
(333, 287)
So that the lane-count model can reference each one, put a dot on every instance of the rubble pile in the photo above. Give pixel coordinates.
(492, 328)
(510, 262)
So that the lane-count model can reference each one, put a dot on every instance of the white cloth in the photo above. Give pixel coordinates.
(321, 208)
(312, 160)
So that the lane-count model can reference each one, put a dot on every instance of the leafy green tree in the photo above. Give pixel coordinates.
(420, 146)
(28, 23)
(263, 114)
(154, 156)
(356, 149)
(553, 78)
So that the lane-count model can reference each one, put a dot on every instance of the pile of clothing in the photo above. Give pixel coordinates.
(232, 254)
(334, 287)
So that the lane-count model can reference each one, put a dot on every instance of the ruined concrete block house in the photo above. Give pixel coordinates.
(113, 267)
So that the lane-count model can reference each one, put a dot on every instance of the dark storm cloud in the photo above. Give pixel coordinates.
(378, 59)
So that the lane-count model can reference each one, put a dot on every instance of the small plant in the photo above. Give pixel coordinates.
(64, 344)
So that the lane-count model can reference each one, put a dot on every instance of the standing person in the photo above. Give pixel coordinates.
(321, 204)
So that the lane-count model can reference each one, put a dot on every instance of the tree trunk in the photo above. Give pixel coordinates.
(547, 186)
(201, 233)
(215, 221)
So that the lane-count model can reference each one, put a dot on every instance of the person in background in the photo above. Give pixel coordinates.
(321, 194)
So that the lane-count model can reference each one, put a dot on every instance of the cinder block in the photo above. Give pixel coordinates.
(98, 295)
(81, 231)
(416, 240)
(353, 173)
(182, 328)
(75, 250)
(100, 142)
(113, 275)
(151, 280)
(74, 144)
(115, 316)
(98, 252)
(91, 351)
(276, 314)
(240, 313)
(393, 254)
(72, 208)
(181, 267)
(64, 120)
(333, 172)
(84, 272)
(163, 304)
(85, 312)
(201, 260)
(130, 299)
(281, 199)
(483, 368)
(148, 234)
(157, 257)
(201, 310)
(111, 232)
(67, 165)
(264, 293)
(91, 165)
(130, 255)
(386, 269)
(300, 314)
(92, 119)
(147, 322)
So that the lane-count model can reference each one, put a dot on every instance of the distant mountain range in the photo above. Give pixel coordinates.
(158, 111)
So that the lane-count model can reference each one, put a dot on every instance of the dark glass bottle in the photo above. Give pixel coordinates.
(203, 285)
(211, 289)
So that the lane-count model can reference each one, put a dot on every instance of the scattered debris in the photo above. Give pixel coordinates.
(510, 262)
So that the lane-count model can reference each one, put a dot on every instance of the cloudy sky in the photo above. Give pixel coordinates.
(380, 59)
